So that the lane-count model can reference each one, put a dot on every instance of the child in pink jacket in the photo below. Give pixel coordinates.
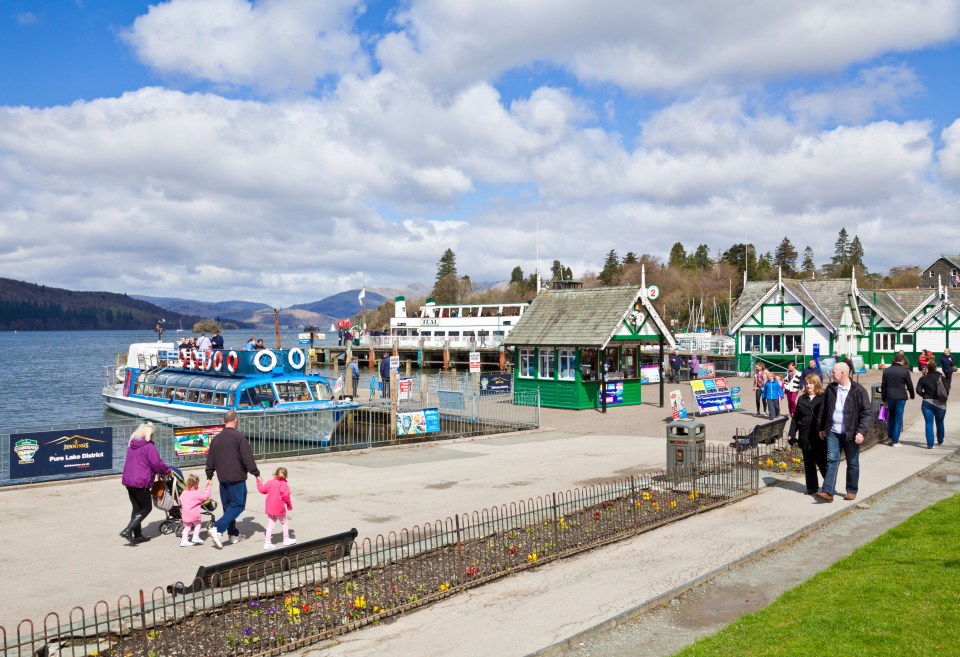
(190, 501)
(278, 502)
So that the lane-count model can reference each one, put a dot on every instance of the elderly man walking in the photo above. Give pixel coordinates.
(846, 420)
(231, 458)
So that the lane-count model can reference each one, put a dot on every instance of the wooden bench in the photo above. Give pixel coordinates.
(282, 558)
(765, 433)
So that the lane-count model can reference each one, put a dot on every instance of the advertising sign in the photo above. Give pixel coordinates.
(712, 395)
(395, 363)
(650, 374)
(497, 383)
(303, 338)
(338, 386)
(194, 440)
(707, 371)
(418, 422)
(474, 361)
(46, 453)
(677, 407)
(613, 392)
(735, 397)
(404, 388)
(859, 367)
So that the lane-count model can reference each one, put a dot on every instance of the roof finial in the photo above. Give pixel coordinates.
(780, 277)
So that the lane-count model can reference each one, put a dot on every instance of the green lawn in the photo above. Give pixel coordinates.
(898, 595)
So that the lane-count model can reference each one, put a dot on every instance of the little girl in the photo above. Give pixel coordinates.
(190, 501)
(278, 502)
(773, 393)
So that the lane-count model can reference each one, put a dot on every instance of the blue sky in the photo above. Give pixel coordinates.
(282, 150)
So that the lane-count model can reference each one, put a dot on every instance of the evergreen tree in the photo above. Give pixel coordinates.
(678, 256)
(807, 266)
(701, 258)
(630, 259)
(841, 249)
(855, 255)
(447, 264)
(610, 273)
(742, 256)
(559, 272)
(785, 257)
(516, 276)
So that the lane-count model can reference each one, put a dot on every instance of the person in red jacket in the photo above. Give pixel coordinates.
(278, 503)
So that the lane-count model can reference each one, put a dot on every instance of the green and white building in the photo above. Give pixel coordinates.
(566, 338)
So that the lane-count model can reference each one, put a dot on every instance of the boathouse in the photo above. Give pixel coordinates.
(570, 340)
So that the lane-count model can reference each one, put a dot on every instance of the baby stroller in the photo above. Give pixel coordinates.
(166, 497)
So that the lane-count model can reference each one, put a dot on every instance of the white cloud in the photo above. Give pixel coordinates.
(949, 155)
(272, 45)
(880, 88)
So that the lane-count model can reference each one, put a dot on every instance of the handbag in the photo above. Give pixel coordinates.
(882, 416)
(942, 394)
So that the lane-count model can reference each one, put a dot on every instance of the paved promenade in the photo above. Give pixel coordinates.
(63, 550)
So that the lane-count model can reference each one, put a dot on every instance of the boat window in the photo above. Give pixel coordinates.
(439, 334)
(193, 396)
(230, 399)
(453, 334)
(263, 394)
(293, 391)
(511, 310)
(138, 389)
(219, 399)
(180, 394)
(206, 397)
(469, 334)
(323, 391)
(425, 334)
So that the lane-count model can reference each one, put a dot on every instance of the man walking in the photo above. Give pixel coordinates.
(895, 384)
(231, 458)
(947, 366)
(676, 362)
(812, 368)
(846, 420)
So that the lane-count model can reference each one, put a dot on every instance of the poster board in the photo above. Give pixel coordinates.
(418, 422)
(188, 441)
(496, 383)
(649, 374)
(707, 370)
(612, 393)
(677, 408)
(712, 395)
(404, 389)
(52, 453)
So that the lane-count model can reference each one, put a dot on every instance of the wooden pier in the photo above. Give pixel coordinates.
(492, 359)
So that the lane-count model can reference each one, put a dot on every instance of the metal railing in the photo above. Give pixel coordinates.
(293, 603)
(414, 342)
(274, 435)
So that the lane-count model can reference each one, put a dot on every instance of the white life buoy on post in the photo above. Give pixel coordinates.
(233, 361)
(271, 360)
(296, 358)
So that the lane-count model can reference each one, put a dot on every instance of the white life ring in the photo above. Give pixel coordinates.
(296, 358)
(233, 361)
(218, 360)
(206, 360)
(271, 360)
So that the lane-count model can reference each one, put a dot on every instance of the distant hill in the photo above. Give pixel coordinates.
(343, 304)
(29, 307)
(238, 310)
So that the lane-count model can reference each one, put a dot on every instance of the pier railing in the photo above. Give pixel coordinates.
(288, 604)
(452, 414)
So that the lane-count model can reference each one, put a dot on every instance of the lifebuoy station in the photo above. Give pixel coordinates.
(574, 345)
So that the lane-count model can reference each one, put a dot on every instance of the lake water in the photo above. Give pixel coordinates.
(52, 379)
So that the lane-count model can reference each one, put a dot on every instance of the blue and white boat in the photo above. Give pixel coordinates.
(160, 383)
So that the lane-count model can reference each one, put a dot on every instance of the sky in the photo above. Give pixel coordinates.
(283, 150)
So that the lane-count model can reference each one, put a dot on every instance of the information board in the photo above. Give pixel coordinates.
(404, 389)
(650, 374)
(613, 393)
(418, 422)
(475, 361)
(712, 395)
(194, 440)
(496, 383)
(677, 408)
(50, 453)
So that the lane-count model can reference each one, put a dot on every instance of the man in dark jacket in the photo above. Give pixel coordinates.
(231, 458)
(947, 365)
(385, 376)
(676, 362)
(846, 420)
(894, 387)
(216, 342)
(812, 368)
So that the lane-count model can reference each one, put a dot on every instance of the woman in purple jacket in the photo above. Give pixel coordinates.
(142, 464)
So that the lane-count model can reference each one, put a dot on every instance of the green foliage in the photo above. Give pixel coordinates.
(785, 257)
(841, 248)
(701, 258)
(894, 596)
(207, 326)
(610, 274)
(742, 256)
(630, 259)
(447, 265)
(678, 256)
(559, 272)
(516, 276)
(808, 267)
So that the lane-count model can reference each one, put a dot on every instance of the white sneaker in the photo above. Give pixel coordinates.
(215, 537)
(897, 445)
(184, 543)
(268, 546)
(197, 540)
(289, 541)
(236, 539)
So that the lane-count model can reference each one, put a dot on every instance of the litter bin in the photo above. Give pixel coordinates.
(686, 443)
(875, 398)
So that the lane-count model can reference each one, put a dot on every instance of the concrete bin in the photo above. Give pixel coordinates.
(686, 443)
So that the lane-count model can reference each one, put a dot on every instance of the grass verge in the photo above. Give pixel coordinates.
(897, 595)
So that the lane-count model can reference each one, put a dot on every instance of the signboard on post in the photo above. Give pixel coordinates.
(188, 441)
(613, 393)
(404, 389)
(46, 453)
(677, 407)
(650, 374)
(395, 363)
(474, 362)
(712, 395)
(498, 383)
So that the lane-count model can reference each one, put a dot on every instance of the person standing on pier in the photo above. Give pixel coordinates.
(385, 375)
(231, 458)
(694, 364)
(354, 375)
(895, 386)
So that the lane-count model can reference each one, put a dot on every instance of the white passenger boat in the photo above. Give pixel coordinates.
(466, 324)
(160, 383)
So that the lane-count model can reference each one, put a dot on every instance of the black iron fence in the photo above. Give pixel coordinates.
(288, 603)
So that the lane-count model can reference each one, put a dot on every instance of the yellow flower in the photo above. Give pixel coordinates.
(694, 495)
(673, 503)
(769, 461)
(532, 557)
(646, 495)
(782, 465)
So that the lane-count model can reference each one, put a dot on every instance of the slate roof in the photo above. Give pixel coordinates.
(896, 306)
(824, 298)
(566, 318)
(952, 259)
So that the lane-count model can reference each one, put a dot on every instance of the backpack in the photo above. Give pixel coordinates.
(941, 390)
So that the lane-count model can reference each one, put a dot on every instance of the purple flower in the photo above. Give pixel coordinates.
(247, 631)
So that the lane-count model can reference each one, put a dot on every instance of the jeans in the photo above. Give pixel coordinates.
(356, 384)
(233, 497)
(895, 419)
(851, 450)
(773, 408)
(933, 414)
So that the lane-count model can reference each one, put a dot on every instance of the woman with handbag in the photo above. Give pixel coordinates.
(142, 464)
(934, 406)
(805, 430)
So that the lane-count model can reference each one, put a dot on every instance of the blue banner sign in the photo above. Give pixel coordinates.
(497, 383)
(52, 453)
(613, 392)
(418, 422)
(712, 395)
